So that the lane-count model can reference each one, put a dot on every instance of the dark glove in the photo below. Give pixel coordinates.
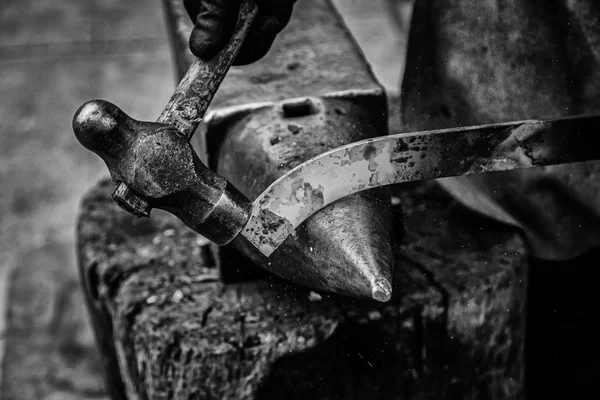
(214, 22)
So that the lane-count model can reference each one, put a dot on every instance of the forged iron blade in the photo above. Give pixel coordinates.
(415, 156)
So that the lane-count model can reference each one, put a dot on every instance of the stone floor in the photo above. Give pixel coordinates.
(54, 55)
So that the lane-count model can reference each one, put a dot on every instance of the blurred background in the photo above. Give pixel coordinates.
(55, 55)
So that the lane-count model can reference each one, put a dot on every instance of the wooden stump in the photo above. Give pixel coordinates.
(168, 328)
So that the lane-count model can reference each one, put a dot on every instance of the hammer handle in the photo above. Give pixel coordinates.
(193, 95)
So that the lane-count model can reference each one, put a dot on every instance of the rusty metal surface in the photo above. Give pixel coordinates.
(414, 156)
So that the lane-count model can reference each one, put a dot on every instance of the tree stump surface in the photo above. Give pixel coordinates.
(169, 328)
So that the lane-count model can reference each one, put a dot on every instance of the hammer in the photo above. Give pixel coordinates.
(154, 164)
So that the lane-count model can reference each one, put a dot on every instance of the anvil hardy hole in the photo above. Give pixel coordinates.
(299, 108)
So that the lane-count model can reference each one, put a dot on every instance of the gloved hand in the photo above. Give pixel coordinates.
(214, 21)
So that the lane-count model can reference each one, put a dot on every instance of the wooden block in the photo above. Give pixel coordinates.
(168, 328)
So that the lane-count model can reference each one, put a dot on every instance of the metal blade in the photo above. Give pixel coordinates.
(415, 156)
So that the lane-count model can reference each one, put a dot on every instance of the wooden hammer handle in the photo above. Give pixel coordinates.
(193, 95)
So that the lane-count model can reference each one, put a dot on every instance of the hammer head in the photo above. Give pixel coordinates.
(160, 168)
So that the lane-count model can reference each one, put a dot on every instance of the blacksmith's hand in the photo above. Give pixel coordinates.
(214, 22)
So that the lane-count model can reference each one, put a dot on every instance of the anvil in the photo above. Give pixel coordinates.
(155, 166)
